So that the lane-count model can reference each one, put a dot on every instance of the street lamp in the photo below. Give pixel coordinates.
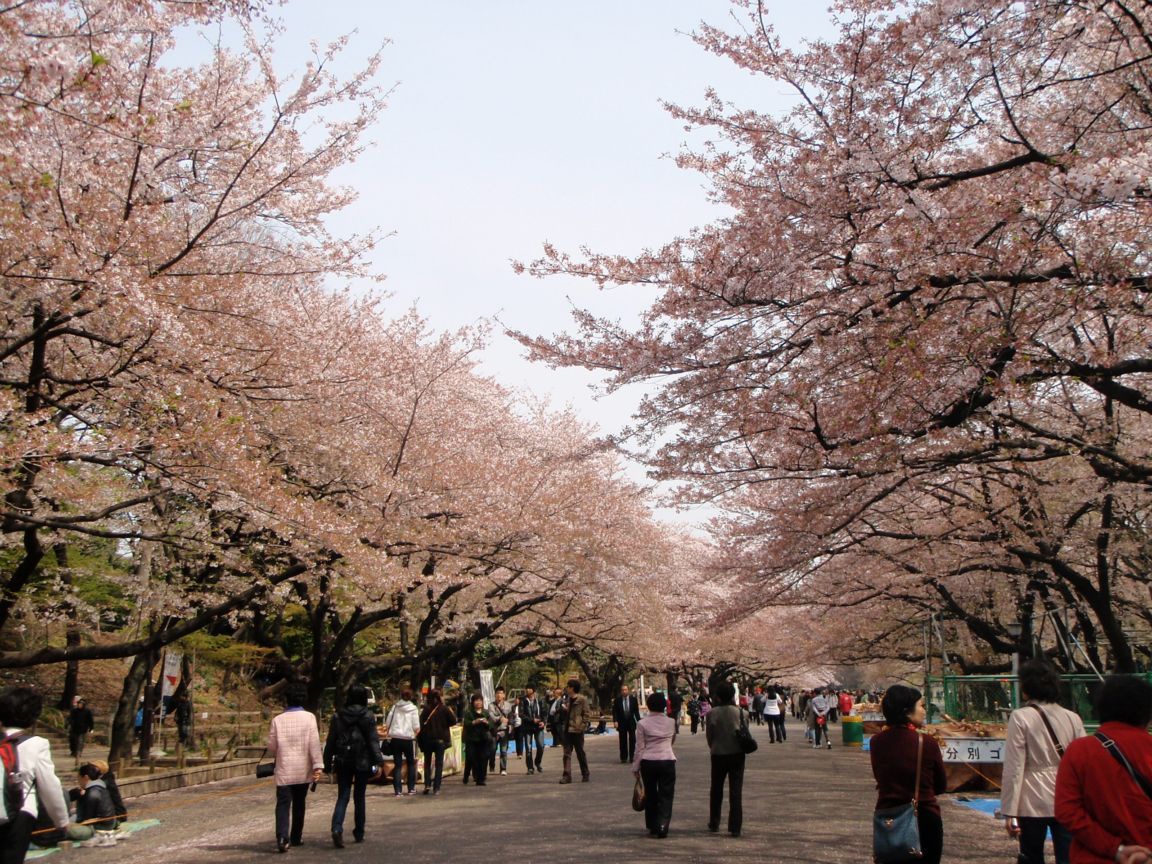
(1014, 631)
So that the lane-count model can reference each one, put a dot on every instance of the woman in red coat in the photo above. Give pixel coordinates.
(1097, 798)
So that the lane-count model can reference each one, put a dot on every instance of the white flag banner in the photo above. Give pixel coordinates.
(486, 688)
(171, 676)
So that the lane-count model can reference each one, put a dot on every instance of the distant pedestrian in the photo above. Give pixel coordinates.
(403, 724)
(693, 707)
(80, 723)
(20, 708)
(352, 754)
(894, 754)
(294, 742)
(477, 741)
(556, 718)
(183, 714)
(532, 714)
(774, 716)
(436, 722)
(577, 713)
(757, 707)
(727, 760)
(847, 703)
(1038, 735)
(820, 707)
(655, 764)
(626, 714)
(1099, 794)
(500, 716)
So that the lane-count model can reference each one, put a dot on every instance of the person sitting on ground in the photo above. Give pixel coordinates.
(96, 821)
(1102, 791)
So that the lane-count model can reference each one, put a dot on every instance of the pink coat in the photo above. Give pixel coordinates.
(294, 741)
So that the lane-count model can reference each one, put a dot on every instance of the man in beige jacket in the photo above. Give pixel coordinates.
(1038, 733)
(577, 722)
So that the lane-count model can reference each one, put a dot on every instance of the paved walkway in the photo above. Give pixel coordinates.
(800, 806)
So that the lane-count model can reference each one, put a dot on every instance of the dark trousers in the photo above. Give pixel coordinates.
(350, 784)
(291, 798)
(574, 741)
(434, 765)
(1033, 830)
(403, 749)
(695, 718)
(931, 837)
(627, 743)
(730, 767)
(778, 722)
(15, 837)
(659, 776)
(476, 760)
(76, 743)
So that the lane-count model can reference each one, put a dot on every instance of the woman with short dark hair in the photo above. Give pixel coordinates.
(1099, 794)
(727, 759)
(294, 742)
(655, 764)
(894, 751)
(436, 722)
(1038, 735)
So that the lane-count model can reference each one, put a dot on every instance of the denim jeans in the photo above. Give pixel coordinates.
(403, 749)
(434, 755)
(534, 740)
(350, 783)
(500, 747)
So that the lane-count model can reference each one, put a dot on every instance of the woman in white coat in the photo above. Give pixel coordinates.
(1038, 733)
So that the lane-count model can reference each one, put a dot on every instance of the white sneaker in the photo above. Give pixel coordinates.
(122, 834)
(503, 773)
(87, 844)
(107, 838)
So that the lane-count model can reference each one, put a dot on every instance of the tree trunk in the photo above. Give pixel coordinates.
(120, 742)
(72, 635)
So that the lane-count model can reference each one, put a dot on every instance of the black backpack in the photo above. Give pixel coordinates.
(351, 750)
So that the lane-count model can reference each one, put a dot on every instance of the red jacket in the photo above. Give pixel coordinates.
(1098, 801)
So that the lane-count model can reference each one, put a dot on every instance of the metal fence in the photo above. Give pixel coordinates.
(990, 698)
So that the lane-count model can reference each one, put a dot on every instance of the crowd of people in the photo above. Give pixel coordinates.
(1091, 794)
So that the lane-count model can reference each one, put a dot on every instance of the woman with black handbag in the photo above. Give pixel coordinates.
(725, 729)
(909, 771)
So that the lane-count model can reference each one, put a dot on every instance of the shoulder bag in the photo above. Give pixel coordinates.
(896, 830)
(265, 769)
(1116, 753)
(744, 735)
(1051, 732)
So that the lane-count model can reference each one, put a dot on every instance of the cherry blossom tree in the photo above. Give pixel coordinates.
(931, 288)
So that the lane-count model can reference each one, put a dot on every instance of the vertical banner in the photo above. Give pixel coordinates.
(486, 688)
(170, 678)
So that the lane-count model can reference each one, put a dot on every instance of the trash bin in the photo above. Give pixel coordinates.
(852, 728)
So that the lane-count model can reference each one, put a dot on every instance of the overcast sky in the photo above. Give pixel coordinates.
(516, 123)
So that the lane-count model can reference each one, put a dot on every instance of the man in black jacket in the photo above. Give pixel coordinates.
(353, 750)
(532, 721)
(626, 714)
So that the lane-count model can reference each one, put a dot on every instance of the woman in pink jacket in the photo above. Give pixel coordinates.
(294, 742)
(655, 763)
